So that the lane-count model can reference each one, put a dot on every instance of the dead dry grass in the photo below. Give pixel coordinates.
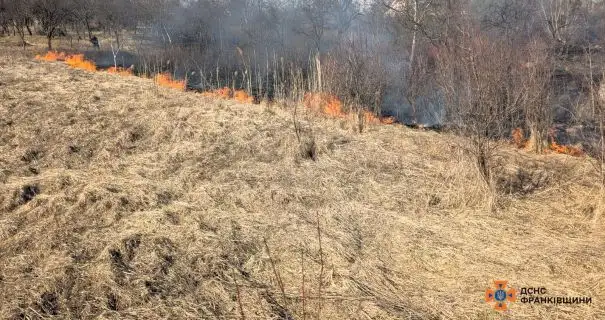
(119, 199)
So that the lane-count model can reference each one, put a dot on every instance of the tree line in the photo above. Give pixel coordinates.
(483, 67)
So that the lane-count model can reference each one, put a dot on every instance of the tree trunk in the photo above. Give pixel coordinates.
(117, 34)
(413, 50)
(49, 37)
(483, 161)
(414, 115)
(21, 33)
(536, 141)
(88, 28)
(318, 69)
(22, 38)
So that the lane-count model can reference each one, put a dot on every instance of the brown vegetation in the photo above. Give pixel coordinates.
(121, 199)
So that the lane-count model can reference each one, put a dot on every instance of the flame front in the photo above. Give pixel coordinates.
(570, 150)
(320, 102)
(222, 93)
(226, 93)
(52, 56)
(166, 80)
(388, 120)
(125, 72)
(77, 61)
(518, 139)
(242, 96)
(332, 106)
(324, 103)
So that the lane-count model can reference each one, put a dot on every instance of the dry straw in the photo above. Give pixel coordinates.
(118, 200)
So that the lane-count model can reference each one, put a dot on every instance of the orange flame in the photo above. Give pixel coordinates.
(125, 72)
(52, 56)
(222, 93)
(324, 103)
(370, 117)
(333, 107)
(388, 120)
(518, 139)
(242, 96)
(78, 61)
(165, 80)
(226, 93)
(570, 150)
(330, 105)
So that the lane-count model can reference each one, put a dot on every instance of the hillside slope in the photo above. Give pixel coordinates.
(119, 199)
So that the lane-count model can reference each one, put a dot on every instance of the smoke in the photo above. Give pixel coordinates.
(429, 110)
(105, 59)
(254, 44)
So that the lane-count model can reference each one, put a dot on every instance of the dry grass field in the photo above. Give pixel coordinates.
(123, 200)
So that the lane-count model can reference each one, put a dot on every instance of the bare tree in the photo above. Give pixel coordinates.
(84, 12)
(413, 16)
(4, 17)
(560, 17)
(116, 15)
(323, 16)
(17, 15)
(51, 14)
(480, 95)
(536, 78)
(513, 19)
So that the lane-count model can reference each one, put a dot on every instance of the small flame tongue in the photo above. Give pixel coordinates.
(52, 56)
(120, 71)
(324, 103)
(78, 61)
(519, 140)
(226, 93)
(166, 80)
(332, 106)
(570, 150)
(74, 61)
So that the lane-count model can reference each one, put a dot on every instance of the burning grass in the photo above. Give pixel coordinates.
(134, 206)
(388, 120)
(242, 96)
(52, 56)
(166, 80)
(569, 150)
(324, 103)
(518, 139)
(222, 93)
(75, 61)
(226, 93)
(125, 72)
(79, 62)
(330, 105)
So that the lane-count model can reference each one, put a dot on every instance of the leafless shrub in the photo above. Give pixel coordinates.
(536, 79)
(480, 94)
